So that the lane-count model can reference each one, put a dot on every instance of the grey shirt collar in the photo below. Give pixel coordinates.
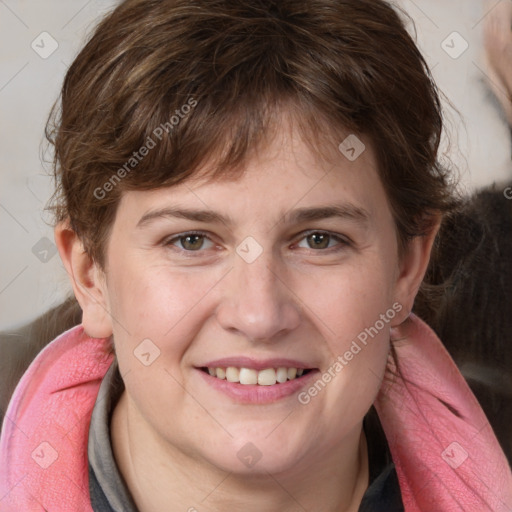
(111, 495)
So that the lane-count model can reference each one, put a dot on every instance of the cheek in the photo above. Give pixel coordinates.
(353, 310)
(349, 298)
(164, 305)
(155, 297)
(349, 385)
(357, 386)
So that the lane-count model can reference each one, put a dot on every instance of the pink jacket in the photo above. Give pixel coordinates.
(446, 455)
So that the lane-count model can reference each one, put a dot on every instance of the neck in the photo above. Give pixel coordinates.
(158, 474)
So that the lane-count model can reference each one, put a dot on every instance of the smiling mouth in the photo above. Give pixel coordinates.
(249, 376)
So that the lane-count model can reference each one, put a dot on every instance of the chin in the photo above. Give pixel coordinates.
(252, 455)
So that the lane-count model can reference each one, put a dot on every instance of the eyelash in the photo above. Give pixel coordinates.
(343, 241)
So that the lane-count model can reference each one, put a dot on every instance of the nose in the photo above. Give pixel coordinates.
(257, 302)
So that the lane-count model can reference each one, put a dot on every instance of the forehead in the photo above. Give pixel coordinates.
(283, 180)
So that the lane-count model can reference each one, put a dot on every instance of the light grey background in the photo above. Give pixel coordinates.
(32, 278)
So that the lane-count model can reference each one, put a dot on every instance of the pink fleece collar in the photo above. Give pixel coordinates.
(43, 446)
(446, 454)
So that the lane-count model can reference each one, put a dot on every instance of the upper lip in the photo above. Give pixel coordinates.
(256, 364)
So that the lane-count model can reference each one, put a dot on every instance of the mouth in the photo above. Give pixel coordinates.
(250, 386)
(250, 376)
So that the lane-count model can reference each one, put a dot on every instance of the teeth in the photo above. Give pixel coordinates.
(248, 376)
(232, 374)
(282, 375)
(291, 373)
(266, 377)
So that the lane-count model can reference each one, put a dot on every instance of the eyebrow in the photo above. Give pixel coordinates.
(345, 211)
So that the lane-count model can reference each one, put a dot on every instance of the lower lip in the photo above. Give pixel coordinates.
(256, 394)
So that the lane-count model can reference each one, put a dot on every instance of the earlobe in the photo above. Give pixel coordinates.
(412, 269)
(87, 280)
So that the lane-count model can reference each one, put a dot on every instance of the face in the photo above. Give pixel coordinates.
(279, 282)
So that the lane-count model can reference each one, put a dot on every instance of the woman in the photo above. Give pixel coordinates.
(248, 194)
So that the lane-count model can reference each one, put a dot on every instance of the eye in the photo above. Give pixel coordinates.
(192, 241)
(322, 239)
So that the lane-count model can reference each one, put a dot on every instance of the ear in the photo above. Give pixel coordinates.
(411, 270)
(88, 281)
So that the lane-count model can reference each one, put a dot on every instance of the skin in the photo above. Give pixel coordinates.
(175, 438)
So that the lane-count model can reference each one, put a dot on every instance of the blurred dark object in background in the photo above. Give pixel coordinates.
(467, 300)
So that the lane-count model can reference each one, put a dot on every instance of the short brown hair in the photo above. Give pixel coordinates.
(335, 64)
